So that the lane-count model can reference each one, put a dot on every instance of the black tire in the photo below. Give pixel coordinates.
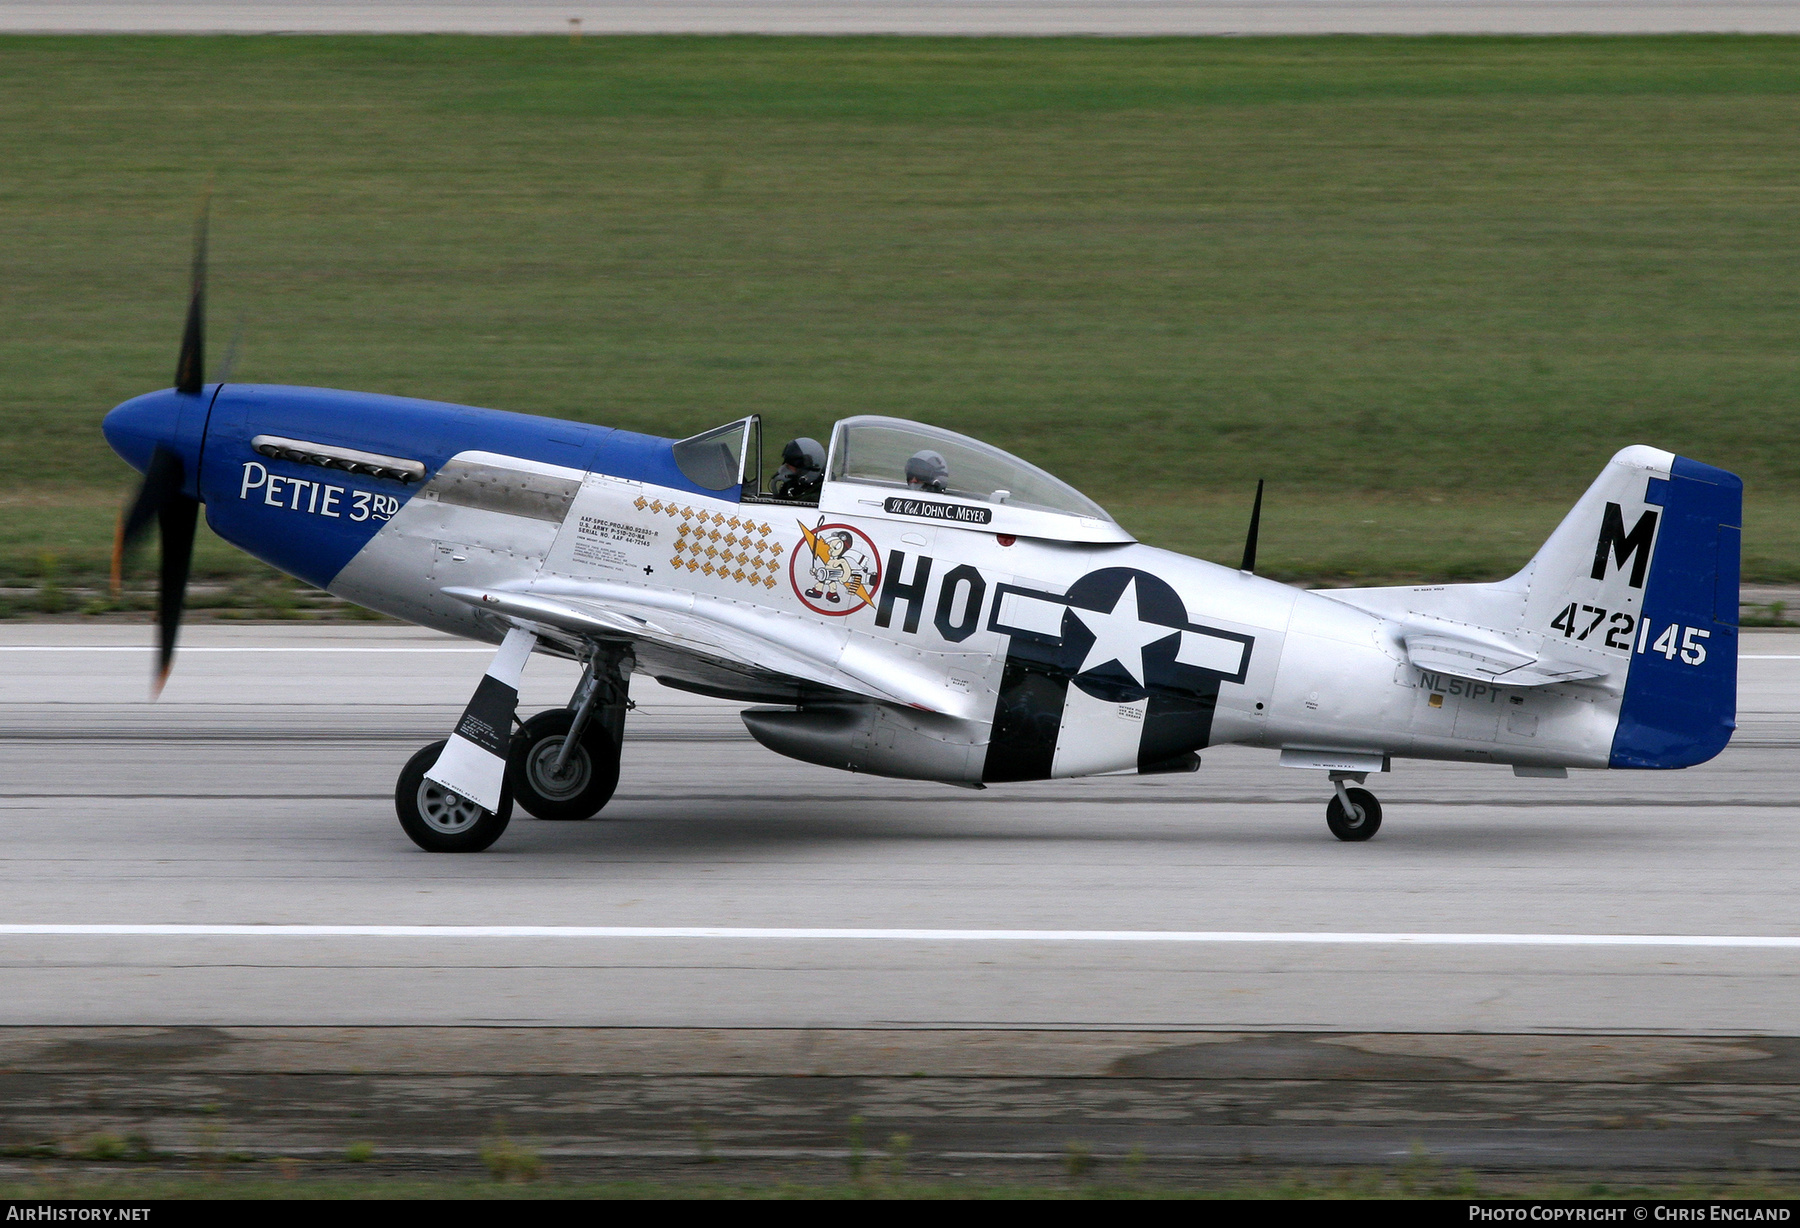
(439, 821)
(589, 777)
(1359, 826)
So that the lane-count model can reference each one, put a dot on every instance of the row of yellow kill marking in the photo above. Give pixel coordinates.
(727, 555)
(730, 539)
(736, 573)
(703, 544)
(704, 517)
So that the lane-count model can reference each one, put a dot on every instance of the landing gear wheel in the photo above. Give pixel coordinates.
(588, 778)
(440, 821)
(1363, 821)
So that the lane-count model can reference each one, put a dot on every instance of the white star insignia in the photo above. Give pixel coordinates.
(1120, 635)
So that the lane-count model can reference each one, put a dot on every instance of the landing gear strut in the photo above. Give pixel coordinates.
(1352, 814)
(564, 763)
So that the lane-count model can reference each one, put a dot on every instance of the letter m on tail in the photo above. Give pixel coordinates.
(1622, 546)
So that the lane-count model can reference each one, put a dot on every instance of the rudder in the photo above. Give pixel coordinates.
(1680, 703)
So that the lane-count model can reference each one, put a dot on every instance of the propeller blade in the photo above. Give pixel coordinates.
(161, 496)
(176, 514)
(190, 364)
(1249, 563)
(162, 482)
(177, 517)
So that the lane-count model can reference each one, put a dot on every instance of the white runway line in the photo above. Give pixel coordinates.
(754, 934)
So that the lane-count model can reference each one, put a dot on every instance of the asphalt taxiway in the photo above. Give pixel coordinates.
(727, 887)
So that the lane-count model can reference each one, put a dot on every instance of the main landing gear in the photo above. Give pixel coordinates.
(440, 821)
(561, 764)
(1352, 814)
(564, 763)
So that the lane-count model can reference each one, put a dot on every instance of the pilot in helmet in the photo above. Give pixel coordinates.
(801, 473)
(927, 471)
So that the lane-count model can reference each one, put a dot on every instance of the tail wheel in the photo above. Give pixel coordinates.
(440, 821)
(589, 774)
(1360, 822)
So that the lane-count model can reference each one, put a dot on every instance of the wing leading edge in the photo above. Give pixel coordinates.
(760, 641)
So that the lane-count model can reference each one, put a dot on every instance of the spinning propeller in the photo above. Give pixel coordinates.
(161, 496)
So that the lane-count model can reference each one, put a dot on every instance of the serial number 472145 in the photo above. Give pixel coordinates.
(1577, 622)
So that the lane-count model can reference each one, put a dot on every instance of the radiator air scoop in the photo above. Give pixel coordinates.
(879, 739)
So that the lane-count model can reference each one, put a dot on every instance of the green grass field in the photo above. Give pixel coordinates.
(1424, 286)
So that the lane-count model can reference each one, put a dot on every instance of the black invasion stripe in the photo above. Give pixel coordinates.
(1175, 724)
(1027, 719)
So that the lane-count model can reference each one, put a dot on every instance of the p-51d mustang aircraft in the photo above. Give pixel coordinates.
(921, 605)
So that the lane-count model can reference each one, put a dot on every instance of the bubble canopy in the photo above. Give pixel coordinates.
(957, 482)
(874, 451)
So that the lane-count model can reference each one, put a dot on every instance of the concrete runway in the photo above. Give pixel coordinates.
(258, 793)
(1025, 17)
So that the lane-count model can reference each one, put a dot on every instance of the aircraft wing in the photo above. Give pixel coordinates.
(746, 637)
(1486, 656)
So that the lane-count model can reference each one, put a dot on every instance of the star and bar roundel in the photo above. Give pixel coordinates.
(1120, 634)
(1107, 676)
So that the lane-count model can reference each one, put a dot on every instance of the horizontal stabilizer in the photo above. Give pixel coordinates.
(1470, 652)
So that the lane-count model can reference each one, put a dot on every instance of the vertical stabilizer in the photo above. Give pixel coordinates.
(1644, 571)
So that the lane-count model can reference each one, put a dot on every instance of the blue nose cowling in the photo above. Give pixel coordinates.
(171, 419)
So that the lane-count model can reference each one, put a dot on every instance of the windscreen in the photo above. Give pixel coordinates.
(714, 460)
